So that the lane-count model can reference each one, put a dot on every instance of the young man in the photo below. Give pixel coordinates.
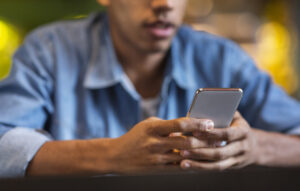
(79, 96)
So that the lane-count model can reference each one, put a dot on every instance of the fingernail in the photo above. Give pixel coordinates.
(209, 125)
(186, 165)
(223, 143)
(220, 144)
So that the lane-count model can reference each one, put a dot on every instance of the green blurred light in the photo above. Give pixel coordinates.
(79, 16)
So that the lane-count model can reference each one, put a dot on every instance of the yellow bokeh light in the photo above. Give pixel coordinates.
(3, 35)
(274, 55)
(10, 39)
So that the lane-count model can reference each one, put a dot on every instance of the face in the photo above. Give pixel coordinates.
(147, 25)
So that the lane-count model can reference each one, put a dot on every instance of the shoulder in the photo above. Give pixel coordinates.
(207, 43)
(71, 33)
(214, 59)
(59, 46)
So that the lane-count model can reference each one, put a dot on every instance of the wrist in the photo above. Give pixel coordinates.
(276, 149)
(97, 156)
(75, 157)
(265, 149)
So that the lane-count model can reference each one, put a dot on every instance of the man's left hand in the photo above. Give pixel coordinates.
(238, 152)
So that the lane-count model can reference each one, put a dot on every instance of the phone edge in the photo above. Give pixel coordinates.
(213, 89)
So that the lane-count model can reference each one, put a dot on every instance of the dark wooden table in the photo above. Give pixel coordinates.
(253, 178)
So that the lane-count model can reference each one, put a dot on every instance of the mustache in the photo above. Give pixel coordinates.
(160, 23)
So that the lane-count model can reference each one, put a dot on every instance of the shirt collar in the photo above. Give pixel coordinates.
(104, 69)
(180, 66)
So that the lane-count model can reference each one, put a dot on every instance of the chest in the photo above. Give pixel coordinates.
(109, 112)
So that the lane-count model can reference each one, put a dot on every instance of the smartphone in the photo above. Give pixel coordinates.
(217, 104)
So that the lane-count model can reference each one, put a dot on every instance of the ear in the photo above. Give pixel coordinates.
(104, 2)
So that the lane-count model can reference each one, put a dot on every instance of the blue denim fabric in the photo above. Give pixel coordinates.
(66, 83)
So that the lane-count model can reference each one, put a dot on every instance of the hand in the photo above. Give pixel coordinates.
(147, 147)
(239, 151)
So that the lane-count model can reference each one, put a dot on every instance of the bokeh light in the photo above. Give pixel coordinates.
(198, 9)
(265, 30)
(10, 39)
(274, 55)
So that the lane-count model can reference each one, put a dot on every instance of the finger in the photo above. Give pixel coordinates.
(211, 141)
(183, 125)
(176, 134)
(239, 129)
(153, 119)
(242, 163)
(183, 142)
(237, 115)
(169, 158)
(228, 134)
(238, 120)
(215, 154)
(219, 165)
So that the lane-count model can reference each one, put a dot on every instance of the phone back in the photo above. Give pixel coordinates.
(218, 105)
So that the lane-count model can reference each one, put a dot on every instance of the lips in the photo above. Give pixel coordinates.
(160, 29)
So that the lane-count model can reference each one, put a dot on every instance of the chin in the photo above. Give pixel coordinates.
(158, 47)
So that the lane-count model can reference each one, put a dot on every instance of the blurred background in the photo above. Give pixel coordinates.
(269, 30)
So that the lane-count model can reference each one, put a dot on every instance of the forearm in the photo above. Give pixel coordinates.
(77, 157)
(277, 150)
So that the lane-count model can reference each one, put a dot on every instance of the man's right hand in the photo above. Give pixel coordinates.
(146, 148)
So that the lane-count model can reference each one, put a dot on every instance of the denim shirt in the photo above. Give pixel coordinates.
(66, 83)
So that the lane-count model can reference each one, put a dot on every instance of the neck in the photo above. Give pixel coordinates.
(144, 69)
(137, 64)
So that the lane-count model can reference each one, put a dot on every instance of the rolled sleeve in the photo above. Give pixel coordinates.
(294, 131)
(18, 147)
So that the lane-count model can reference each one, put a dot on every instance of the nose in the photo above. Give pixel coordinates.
(161, 6)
